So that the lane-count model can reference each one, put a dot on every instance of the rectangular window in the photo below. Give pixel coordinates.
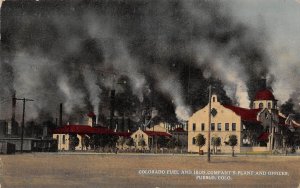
(63, 139)
(194, 126)
(219, 126)
(202, 127)
(212, 127)
(194, 141)
(233, 126)
(226, 126)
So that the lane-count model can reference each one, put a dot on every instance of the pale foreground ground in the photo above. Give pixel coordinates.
(110, 170)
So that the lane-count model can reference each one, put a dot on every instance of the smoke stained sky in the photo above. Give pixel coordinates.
(280, 21)
(255, 39)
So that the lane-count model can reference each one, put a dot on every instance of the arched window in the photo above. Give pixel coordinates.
(261, 105)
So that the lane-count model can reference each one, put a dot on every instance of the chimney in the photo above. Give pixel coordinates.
(112, 107)
(262, 84)
(13, 113)
(94, 121)
(60, 114)
(14, 128)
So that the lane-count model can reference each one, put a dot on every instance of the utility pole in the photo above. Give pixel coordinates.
(272, 133)
(23, 120)
(209, 122)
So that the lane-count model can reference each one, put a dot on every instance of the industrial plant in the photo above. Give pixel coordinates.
(126, 76)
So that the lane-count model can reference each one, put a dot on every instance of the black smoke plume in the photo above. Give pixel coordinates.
(161, 54)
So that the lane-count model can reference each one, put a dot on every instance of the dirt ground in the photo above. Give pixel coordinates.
(121, 170)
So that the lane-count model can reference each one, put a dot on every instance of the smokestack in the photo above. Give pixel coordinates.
(94, 121)
(13, 112)
(112, 107)
(262, 84)
(60, 114)
(14, 128)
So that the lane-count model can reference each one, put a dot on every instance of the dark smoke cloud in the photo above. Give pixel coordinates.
(169, 52)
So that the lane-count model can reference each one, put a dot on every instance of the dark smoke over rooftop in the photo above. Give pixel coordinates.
(168, 52)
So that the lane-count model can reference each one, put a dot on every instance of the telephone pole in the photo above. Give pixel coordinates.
(209, 122)
(23, 120)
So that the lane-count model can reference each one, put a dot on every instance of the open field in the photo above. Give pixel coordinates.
(111, 170)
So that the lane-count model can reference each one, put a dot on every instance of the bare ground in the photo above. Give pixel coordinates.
(110, 170)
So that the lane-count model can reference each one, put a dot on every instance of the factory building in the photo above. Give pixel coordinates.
(261, 128)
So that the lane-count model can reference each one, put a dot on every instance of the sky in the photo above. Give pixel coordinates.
(279, 20)
(278, 24)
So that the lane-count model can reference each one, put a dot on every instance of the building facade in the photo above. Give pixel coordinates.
(224, 123)
(147, 140)
(261, 128)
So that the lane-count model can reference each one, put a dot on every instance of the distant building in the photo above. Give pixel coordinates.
(161, 127)
(181, 135)
(64, 134)
(147, 140)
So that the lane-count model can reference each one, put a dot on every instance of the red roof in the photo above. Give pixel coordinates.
(246, 114)
(156, 133)
(82, 129)
(264, 94)
(264, 136)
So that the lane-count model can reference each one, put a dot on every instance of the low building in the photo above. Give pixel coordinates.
(64, 135)
(147, 140)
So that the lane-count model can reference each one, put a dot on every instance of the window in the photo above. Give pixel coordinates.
(214, 99)
(194, 141)
(226, 126)
(269, 105)
(57, 137)
(233, 126)
(219, 126)
(142, 136)
(202, 127)
(212, 127)
(261, 105)
(136, 136)
(63, 139)
(194, 126)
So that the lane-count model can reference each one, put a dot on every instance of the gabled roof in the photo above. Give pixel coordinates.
(246, 114)
(264, 94)
(82, 129)
(156, 133)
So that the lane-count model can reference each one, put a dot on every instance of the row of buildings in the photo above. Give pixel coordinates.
(261, 128)
(142, 139)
